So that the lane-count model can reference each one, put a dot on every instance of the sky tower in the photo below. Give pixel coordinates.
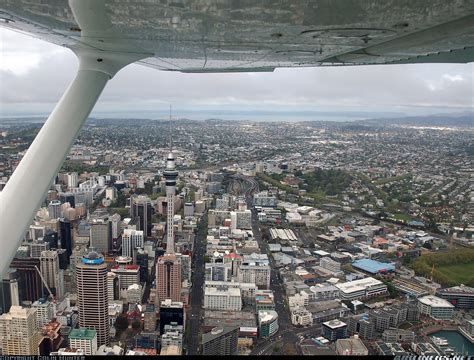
(170, 175)
(168, 266)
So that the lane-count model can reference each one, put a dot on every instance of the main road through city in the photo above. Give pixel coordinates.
(194, 314)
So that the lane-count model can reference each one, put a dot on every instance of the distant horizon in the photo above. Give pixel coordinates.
(251, 115)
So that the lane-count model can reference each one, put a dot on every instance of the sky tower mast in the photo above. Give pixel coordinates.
(170, 174)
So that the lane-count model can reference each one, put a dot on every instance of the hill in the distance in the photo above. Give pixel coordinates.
(465, 119)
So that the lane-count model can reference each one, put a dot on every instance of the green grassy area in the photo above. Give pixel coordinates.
(458, 273)
(277, 183)
(403, 217)
(448, 268)
(318, 196)
(79, 167)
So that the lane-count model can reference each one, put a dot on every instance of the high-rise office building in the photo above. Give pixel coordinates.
(44, 311)
(113, 289)
(141, 259)
(67, 197)
(54, 209)
(168, 266)
(116, 226)
(149, 318)
(65, 235)
(72, 180)
(29, 277)
(63, 259)
(131, 239)
(49, 265)
(19, 333)
(171, 312)
(11, 291)
(168, 278)
(92, 295)
(140, 206)
(51, 237)
(37, 247)
(36, 232)
(100, 235)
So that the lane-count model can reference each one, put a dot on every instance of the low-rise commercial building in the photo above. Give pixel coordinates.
(84, 339)
(352, 347)
(390, 349)
(264, 300)
(398, 336)
(362, 288)
(334, 329)
(301, 316)
(436, 307)
(462, 297)
(222, 299)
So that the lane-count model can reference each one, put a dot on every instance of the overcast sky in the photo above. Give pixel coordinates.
(34, 74)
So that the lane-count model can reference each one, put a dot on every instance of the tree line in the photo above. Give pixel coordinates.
(424, 265)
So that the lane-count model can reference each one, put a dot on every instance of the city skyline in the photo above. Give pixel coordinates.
(283, 233)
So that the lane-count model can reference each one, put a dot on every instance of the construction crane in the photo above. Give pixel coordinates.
(432, 271)
(46, 285)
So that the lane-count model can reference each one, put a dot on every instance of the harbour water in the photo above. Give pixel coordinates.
(456, 341)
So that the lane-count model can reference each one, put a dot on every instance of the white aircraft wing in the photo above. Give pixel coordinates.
(257, 35)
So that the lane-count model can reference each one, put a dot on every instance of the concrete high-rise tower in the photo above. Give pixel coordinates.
(140, 207)
(131, 239)
(168, 266)
(54, 209)
(92, 295)
(168, 278)
(170, 175)
(19, 333)
(49, 265)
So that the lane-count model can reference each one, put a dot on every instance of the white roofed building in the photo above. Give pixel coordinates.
(362, 288)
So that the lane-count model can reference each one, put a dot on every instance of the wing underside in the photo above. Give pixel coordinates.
(257, 35)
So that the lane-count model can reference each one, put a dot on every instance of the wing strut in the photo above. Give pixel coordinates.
(25, 190)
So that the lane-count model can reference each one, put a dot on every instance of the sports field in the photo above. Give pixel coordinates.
(459, 273)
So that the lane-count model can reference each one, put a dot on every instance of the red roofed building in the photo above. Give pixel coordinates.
(380, 242)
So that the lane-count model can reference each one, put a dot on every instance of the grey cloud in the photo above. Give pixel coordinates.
(441, 85)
